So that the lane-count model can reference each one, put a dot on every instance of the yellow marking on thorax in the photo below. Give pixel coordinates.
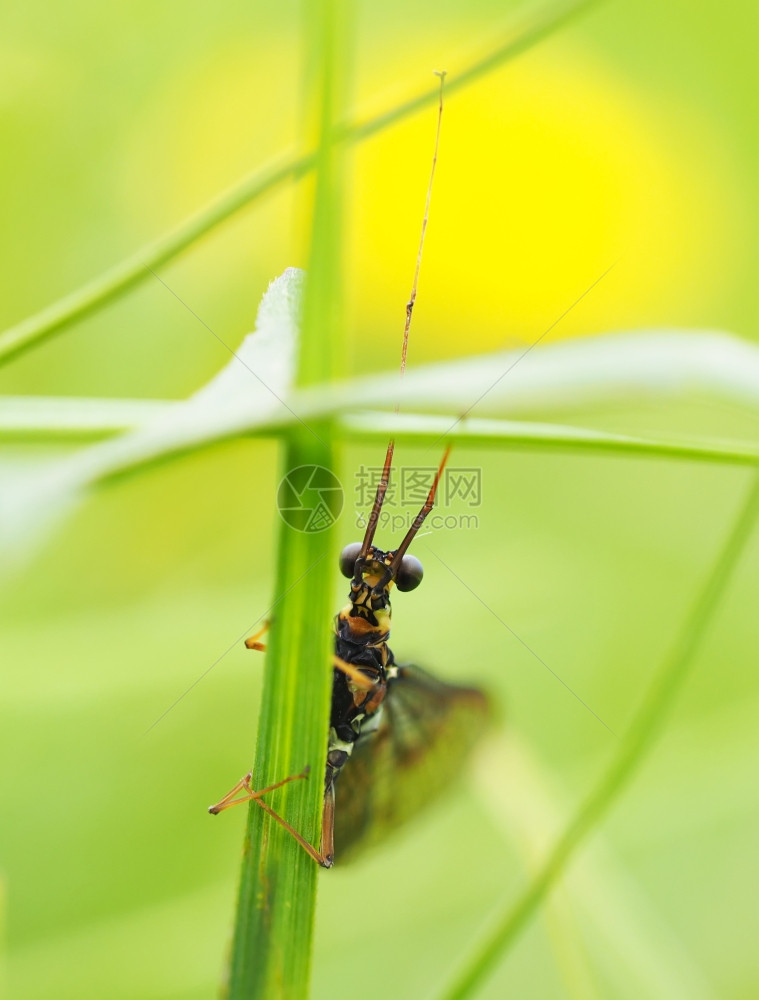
(364, 629)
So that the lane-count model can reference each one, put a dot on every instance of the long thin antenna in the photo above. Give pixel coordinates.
(384, 481)
(378, 501)
(419, 519)
(412, 297)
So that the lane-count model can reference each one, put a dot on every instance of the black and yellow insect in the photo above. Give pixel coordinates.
(402, 736)
(397, 735)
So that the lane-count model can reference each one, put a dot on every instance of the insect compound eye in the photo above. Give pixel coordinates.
(348, 558)
(410, 573)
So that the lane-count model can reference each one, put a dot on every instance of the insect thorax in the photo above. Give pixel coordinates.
(368, 613)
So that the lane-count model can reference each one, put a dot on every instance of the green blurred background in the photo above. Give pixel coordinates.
(628, 137)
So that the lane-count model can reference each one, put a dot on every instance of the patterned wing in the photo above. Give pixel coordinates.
(427, 731)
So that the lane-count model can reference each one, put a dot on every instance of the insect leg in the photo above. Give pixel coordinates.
(250, 795)
(319, 858)
(252, 643)
(356, 676)
(328, 821)
(245, 786)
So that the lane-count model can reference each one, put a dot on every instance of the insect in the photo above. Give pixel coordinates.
(397, 734)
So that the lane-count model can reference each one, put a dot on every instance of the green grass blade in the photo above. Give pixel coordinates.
(274, 923)
(35, 497)
(584, 373)
(271, 951)
(530, 27)
(33, 500)
(129, 273)
(50, 419)
(597, 911)
(424, 429)
(122, 277)
(72, 418)
(636, 743)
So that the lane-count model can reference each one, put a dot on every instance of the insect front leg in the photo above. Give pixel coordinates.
(252, 641)
(356, 676)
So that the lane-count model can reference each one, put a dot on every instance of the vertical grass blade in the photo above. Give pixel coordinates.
(638, 740)
(272, 943)
(274, 925)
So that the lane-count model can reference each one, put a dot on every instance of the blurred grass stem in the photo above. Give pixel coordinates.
(630, 754)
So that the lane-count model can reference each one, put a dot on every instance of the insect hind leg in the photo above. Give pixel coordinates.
(244, 786)
(247, 793)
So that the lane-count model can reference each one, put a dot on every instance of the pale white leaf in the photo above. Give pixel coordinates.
(33, 501)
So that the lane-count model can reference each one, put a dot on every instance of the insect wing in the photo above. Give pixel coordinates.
(428, 729)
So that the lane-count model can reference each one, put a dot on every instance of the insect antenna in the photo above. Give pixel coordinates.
(378, 501)
(412, 297)
(385, 479)
(429, 503)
